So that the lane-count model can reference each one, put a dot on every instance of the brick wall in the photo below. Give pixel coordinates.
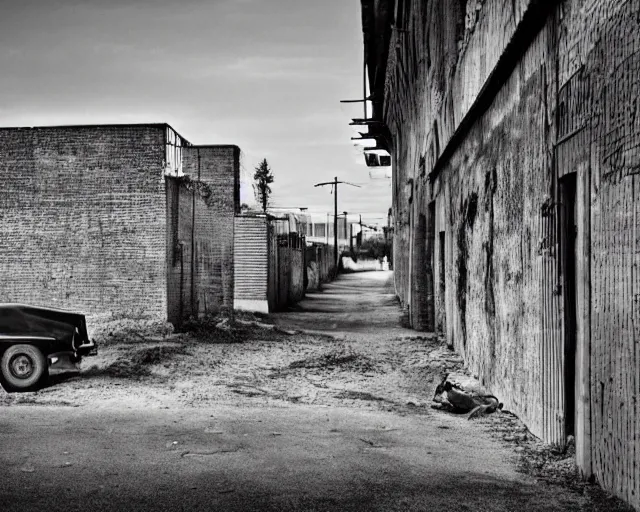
(82, 219)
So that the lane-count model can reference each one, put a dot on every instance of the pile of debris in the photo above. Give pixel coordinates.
(236, 328)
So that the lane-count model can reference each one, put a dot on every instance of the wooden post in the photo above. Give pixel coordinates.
(351, 238)
(583, 341)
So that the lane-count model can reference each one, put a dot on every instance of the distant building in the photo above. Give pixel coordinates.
(322, 232)
(117, 221)
(514, 132)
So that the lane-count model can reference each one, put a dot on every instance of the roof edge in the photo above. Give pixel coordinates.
(97, 125)
(120, 125)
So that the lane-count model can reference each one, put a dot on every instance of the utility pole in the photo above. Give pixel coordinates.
(334, 187)
(335, 223)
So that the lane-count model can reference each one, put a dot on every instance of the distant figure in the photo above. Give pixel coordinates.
(385, 263)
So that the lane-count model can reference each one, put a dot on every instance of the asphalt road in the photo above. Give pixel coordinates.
(295, 458)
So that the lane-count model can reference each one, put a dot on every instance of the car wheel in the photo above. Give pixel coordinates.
(22, 367)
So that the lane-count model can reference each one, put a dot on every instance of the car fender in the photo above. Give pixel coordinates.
(44, 343)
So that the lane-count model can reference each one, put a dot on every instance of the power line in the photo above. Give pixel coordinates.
(334, 188)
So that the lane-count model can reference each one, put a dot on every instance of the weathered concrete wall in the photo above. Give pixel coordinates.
(297, 269)
(286, 268)
(566, 107)
(82, 219)
(320, 266)
(437, 67)
(179, 251)
(489, 194)
(202, 205)
(218, 167)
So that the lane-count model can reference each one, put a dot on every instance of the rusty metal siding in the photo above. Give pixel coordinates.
(284, 271)
(287, 266)
(251, 258)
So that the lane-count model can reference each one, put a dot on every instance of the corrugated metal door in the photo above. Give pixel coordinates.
(251, 258)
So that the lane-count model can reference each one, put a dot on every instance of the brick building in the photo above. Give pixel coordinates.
(117, 221)
(514, 133)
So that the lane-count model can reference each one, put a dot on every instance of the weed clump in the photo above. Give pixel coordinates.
(238, 328)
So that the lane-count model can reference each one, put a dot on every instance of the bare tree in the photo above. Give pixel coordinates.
(263, 179)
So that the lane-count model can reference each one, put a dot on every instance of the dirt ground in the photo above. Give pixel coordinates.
(334, 384)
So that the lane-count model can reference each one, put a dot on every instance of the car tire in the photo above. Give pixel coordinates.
(22, 367)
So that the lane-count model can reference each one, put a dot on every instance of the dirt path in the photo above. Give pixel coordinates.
(336, 418)
(361, 304)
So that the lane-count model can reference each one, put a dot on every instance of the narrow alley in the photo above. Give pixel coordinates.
(366, 255)
(334, 417)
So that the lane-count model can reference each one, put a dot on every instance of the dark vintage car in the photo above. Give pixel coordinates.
(35, 339)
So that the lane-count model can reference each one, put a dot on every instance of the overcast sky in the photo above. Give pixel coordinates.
(266, 75)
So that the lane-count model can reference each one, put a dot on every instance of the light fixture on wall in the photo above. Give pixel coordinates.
(377, 151)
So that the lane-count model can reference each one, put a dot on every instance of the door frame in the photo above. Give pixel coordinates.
(573, 157)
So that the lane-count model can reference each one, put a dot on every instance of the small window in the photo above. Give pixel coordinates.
(400, 14)
(461, 20)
